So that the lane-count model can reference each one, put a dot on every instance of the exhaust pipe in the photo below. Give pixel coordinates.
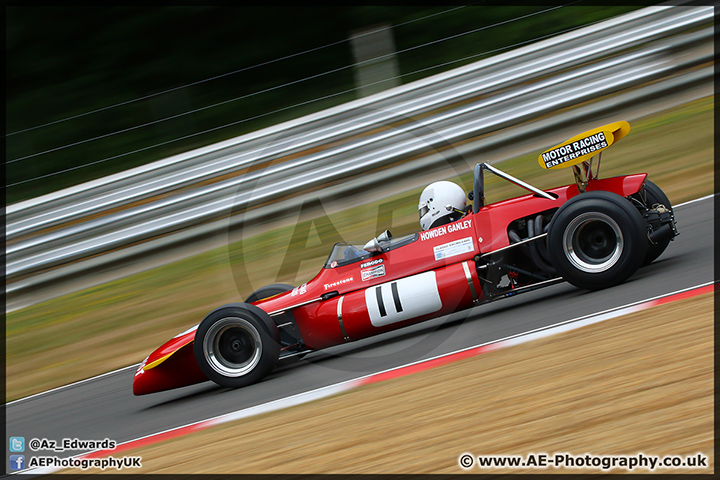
(661, 234)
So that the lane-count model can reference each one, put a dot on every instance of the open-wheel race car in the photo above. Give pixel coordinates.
(594, 233)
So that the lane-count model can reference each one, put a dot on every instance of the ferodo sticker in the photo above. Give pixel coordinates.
(403, 299)
(372, 272)
(371, 263)
(583, 146)
(452, 249)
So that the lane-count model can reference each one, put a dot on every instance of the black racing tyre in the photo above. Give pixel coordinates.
(237, 345)
(597, 240)
(650, 196)
(268, 291)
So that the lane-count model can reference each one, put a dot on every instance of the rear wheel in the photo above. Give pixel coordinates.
(237, 345)
(597, 240)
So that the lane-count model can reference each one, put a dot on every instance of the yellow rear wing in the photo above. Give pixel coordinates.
(581, 148)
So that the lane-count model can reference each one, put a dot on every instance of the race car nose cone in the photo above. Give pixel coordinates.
(176, 370)
(143, 382)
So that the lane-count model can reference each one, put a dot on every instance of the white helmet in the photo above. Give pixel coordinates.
(440, 203)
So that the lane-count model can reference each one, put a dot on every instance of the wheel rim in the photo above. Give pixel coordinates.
(232, 346)
(593, 242)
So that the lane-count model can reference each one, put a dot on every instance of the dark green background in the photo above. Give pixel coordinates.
(66, 61)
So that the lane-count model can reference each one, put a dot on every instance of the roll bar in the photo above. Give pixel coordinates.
(479, 185)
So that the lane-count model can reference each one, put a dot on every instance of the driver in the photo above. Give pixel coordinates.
(441, 203)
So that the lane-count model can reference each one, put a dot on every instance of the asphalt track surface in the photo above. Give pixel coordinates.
(105, 407)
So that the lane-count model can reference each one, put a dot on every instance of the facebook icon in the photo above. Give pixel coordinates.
(17, 462)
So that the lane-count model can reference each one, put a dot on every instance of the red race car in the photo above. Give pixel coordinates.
(594, 233)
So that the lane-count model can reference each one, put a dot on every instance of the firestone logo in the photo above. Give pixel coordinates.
(339, 282)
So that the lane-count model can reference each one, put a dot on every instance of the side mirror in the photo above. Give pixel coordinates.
(374, 244)
(386, 236)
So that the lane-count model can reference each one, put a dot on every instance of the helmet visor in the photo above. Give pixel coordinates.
(423, 210)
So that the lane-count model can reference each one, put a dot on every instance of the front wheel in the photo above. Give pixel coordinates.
(237, 345)
(268, 291)
(597, 240)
